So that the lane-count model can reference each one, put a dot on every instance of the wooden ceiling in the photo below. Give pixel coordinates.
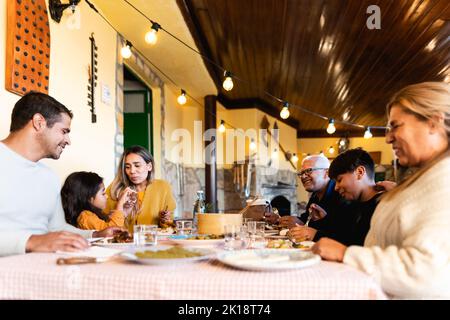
(319, 54)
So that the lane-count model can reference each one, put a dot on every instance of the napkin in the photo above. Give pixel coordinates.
(93, 252)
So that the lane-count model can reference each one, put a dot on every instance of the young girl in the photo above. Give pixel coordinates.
(83, 198)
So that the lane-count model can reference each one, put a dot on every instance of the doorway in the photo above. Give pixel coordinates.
(137, 112)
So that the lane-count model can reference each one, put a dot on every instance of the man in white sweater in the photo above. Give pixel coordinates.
(31, 215)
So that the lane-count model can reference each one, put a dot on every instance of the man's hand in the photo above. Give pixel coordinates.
(330, 249)
(302, 233)
(108, 232)
(54, 241)
(317, 212)
(290, 221)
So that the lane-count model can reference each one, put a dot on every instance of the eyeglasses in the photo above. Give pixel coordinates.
(309, 171)
(393, 128)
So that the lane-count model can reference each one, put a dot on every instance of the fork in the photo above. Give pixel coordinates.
(309, 217)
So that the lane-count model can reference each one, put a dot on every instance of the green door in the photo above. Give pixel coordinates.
(138, 119)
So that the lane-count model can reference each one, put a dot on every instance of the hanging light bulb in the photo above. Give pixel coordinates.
(252, 145)
(331, 128)
(74, 20)
(222, 126)
(331, 150)
(228, 82)
(182, 97)
(151, 36)
(368, 134)
(126, 50)
(284, 113)
(275, 153)
(294, 158)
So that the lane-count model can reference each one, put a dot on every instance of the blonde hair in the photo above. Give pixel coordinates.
(426, 101)
(121, 181)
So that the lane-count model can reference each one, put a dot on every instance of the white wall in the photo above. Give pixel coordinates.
(92, 143)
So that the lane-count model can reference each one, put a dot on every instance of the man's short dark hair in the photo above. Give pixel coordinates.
(349, 160)
(37, 102)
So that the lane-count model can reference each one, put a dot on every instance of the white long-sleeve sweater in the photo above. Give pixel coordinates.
(407, 248)
(29, 202)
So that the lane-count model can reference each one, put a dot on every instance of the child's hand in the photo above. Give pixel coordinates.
(127, 199)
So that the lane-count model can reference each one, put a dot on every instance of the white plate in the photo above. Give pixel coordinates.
(269, 259)
(130, 256)
(103, 242)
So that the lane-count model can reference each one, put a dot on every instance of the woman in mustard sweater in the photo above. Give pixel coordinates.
(83, 198)
(155, 201)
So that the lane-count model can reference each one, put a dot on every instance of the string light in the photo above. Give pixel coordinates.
(252, 145)
(275, 153)
(222, 126)
(151, 37)
(368, 134)
(284, 113)
(294, 158)
(228, 82)
(331, 128)
(182, 97)
(126, 50)
(331, 150)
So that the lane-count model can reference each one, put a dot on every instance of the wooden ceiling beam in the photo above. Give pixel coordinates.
(257, 104)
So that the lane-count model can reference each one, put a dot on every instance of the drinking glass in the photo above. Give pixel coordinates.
(145, 235)
(184, 227)
(256, 231)
(236, 237)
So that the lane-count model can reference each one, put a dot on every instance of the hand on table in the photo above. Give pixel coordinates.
(329, 249)
(56, 241)
(302, 233)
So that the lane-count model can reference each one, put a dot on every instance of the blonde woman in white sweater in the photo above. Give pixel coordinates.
(407, 249)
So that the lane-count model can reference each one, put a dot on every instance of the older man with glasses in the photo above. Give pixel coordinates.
(324, 206)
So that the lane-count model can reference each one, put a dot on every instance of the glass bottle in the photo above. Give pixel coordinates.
(199, 206)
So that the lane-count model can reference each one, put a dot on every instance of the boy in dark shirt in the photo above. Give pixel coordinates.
(353, 172)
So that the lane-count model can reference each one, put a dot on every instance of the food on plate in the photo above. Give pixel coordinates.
(172, 253)
(122, 237)
(303, 244)
(206, 237)
(284, 232)
(166, 231)
(279, 244)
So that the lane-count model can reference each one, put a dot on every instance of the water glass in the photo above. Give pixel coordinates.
(145, 235)
(255, 226)
(184, 227)
(256, 231)
(236, 237)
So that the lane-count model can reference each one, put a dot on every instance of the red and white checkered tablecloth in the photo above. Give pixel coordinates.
(37, 276)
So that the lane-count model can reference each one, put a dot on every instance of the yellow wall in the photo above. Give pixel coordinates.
(251, 119)
(315, 145)
(92, 144)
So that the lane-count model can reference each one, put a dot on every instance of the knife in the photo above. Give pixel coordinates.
(78, 260)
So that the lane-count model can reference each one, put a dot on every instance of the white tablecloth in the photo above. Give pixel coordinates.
(37, 276)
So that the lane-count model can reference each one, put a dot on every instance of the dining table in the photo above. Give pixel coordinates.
(38, 276)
